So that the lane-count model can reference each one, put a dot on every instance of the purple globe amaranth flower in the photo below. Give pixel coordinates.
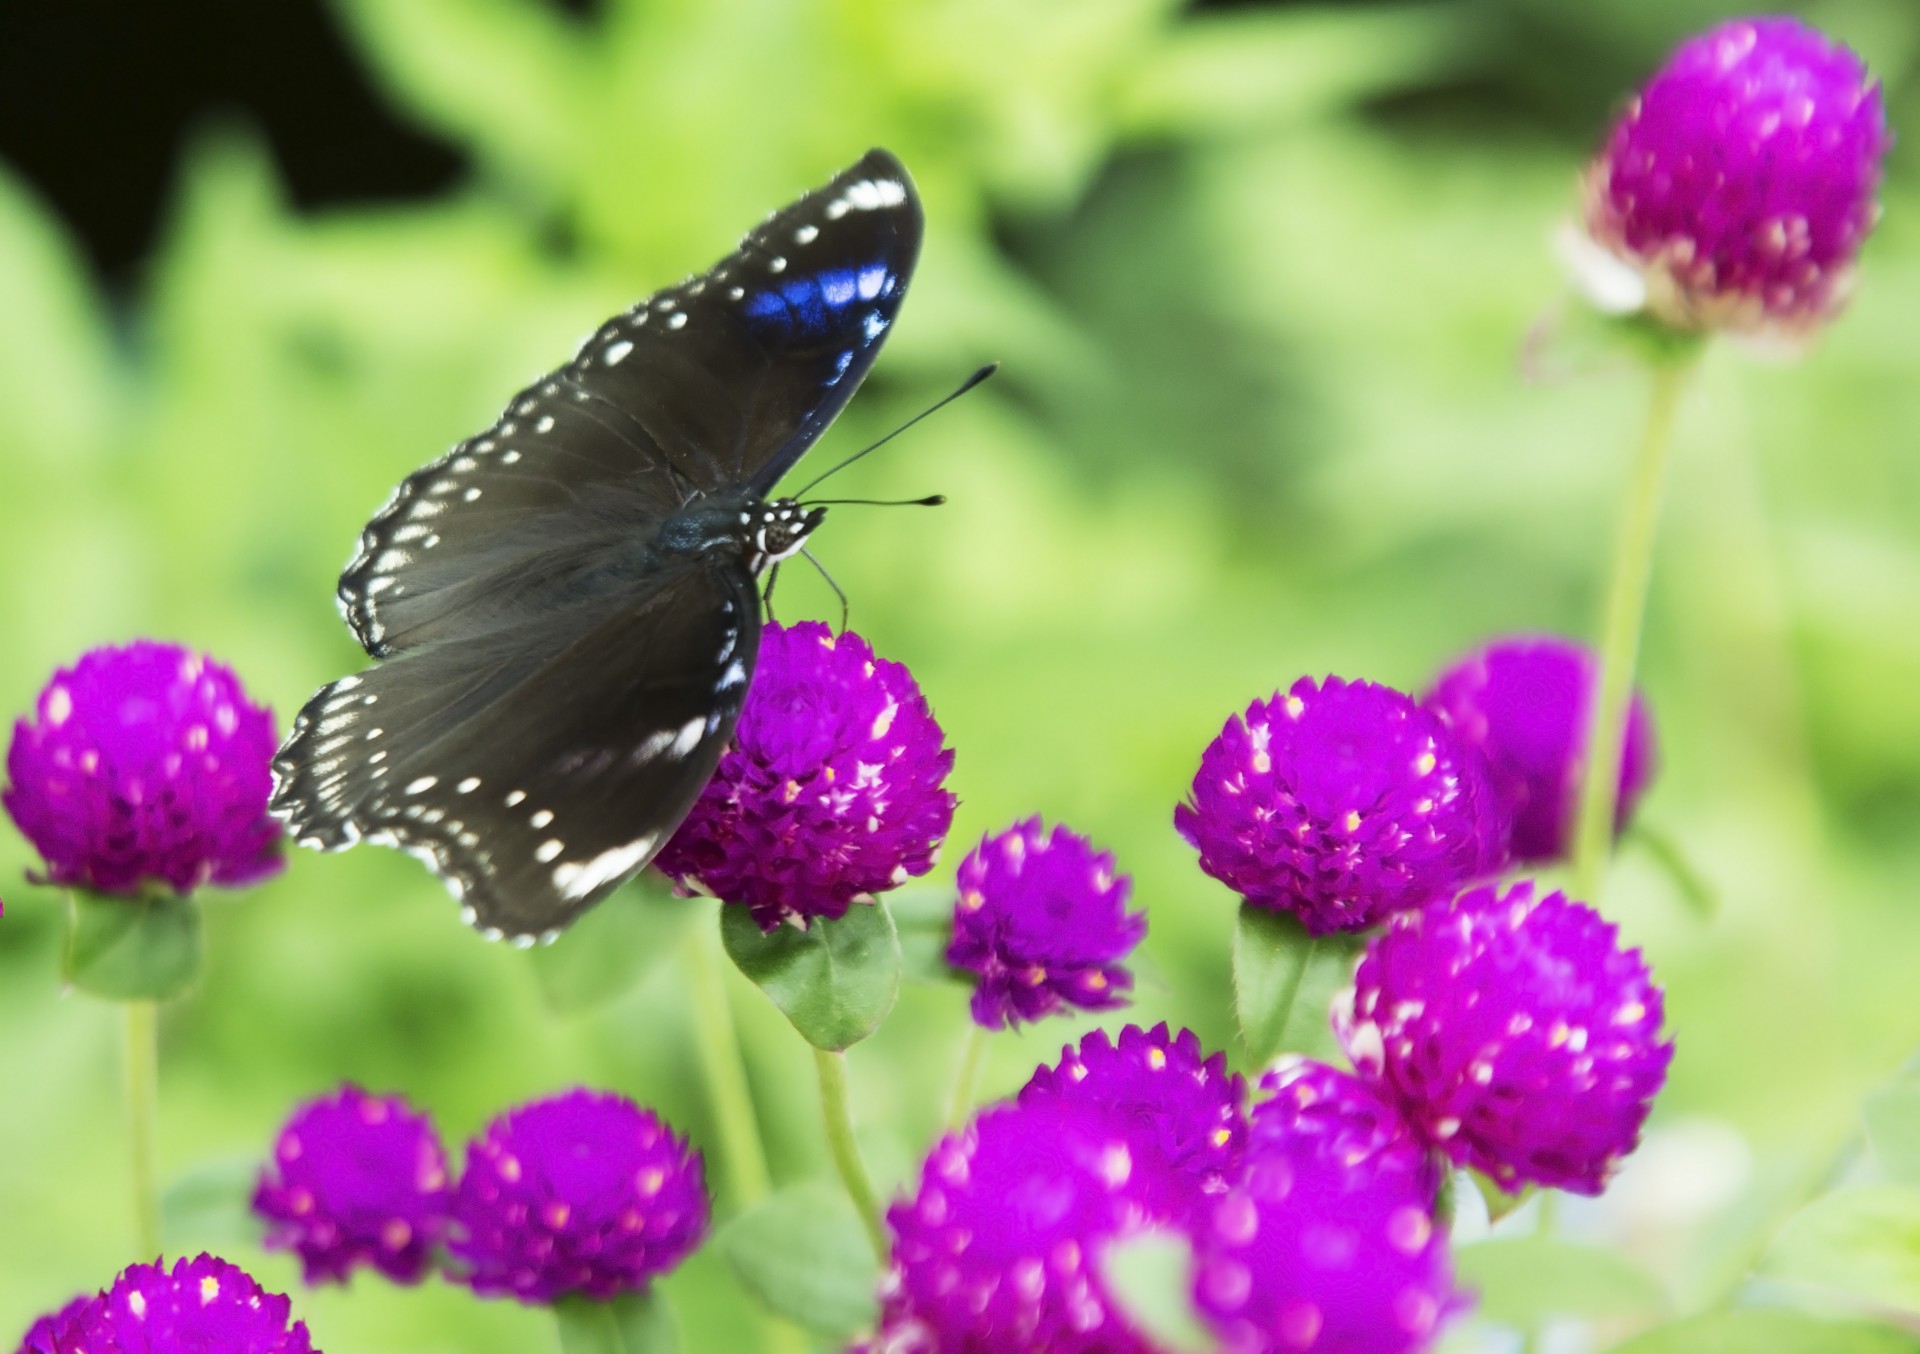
(356, 1180)
(198, 1305)
(1740, 182)
(1525, 703)
(1043, 921)
(1309, 1106)
(146, 764)
(1341, 803)
(1514, 1033)
(44, 1335)
(1315, 1250)
(584, 1192)
(1183, 1114)
(1002, 1246)
(833, 790)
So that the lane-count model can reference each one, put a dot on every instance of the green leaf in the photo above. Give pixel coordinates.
(1151, 1277)
(210, 1205)
(633, 1323)
(1862, 1243)
(923, 919)
(1525, 1281)
(1284, 982)
(804, 1256)
(132, 949)
(1893, 1128)
(1688, 882)
(1768, 1332)
(612, 948)
(835, 981)
(1499, 1203)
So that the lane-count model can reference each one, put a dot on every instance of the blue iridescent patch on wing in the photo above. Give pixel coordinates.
(815, 305)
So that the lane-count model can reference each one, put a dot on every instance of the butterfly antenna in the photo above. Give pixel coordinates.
(963, 388)
(837, 592)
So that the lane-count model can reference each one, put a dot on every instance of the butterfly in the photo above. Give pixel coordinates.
(565, 608)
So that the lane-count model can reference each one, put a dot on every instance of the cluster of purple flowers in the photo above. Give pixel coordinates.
(196, 1305)
(584, 1192)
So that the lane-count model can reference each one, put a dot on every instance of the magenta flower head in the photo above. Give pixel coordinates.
(1183, 1114)
(1319, 1250)
(1341, 803)
(199, 1305)
(834, 788)
(1525, 703)
(1311, 1106)
(1514, 1033)
(145, 765)
(44, 1335)
(1740, 182)
(1002, 1247)
(356, 1180)
(1043, 923)
(581, 1193)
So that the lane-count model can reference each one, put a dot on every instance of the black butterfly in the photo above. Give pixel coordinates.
(565, 606)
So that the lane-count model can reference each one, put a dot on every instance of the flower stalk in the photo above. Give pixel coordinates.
(836, 1106)
(143, 1116)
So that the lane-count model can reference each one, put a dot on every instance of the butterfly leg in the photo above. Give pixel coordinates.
(837, 592)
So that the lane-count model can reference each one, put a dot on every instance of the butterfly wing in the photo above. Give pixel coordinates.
(555, 693)
(533, 772)
(721, 382)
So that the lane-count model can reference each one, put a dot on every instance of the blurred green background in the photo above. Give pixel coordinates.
(1260, 278)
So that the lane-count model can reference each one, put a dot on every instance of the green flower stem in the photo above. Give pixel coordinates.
(846, 1152)
(726, 1074)
(962, 1103)
(143, 1113)
(1626, 610)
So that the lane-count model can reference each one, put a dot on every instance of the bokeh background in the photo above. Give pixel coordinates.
(1261, 277)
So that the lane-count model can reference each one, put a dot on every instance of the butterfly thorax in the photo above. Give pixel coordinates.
(761, 533)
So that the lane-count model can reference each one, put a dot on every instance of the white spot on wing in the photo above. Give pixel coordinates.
(549, 848)
(577, 881)
(616, 352)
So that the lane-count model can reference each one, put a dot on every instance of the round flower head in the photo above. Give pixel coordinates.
(1525, 704)
(581, 1193)
(1043, 921)
(833, 789)
(1002, 1247)
(1315, 1251)
(1514, 1033)
(1342, 804)
(199, 1305)
(145, 764)
(44, 1335)
(1183, 1114)
(356, 1180)
(1311, 1106)
(1740, 182)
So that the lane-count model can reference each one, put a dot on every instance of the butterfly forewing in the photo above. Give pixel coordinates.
(565, 604)
(724, 380)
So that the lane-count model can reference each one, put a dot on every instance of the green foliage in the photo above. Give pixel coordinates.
(1528, 1281)
(1861, 1243)
(835, 981)
(1284, 981)
(804, 1256)
(634, 1323)
(132, 949)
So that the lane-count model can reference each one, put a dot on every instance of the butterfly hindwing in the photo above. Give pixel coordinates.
(532, 777)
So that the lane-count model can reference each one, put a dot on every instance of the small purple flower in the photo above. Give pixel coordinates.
(1043, 921)
(581, 1193)
(146, 764)
(833, 790)
(1183, 1114)
(1315, 1251)
(199, 1305)
(1002, 1246)
(1341, 803)
(44, 1335)
(1514, 1033)
(1740, 182)
(1525, 703)
(356, 1180)
(1311, 1106)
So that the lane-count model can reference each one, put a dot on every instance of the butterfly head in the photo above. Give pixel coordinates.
(781, 530)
